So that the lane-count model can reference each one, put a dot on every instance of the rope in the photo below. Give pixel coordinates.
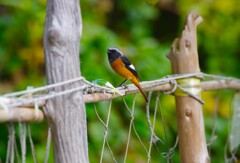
(40, 94)
(46, 92)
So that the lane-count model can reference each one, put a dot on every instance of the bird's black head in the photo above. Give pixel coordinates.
(113, 54)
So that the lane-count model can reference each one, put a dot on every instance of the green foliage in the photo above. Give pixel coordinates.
(218, 34)
(21, 54)
(143, 30)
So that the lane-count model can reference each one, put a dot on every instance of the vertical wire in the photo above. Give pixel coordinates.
(152, 131)
(22, 136)
(213, 137)
(130, 127)
(31, 144)
(95, 109)
(106, 131)
(48, 145)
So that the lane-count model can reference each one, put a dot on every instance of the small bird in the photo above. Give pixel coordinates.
(123, 67)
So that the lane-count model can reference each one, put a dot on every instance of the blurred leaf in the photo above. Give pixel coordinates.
(152, 2)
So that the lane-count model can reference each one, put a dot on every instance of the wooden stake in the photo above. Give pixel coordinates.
(184, 59)
(66, 114)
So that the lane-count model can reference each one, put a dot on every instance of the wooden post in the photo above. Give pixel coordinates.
(184, 59)
(65, 114)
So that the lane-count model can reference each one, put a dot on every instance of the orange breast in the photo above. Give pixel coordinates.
(121, 70)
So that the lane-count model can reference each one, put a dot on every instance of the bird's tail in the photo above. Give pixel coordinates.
(136, 83)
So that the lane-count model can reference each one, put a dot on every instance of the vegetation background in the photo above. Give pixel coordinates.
(144, 31)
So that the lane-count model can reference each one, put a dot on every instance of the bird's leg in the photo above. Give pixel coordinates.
(123, 83)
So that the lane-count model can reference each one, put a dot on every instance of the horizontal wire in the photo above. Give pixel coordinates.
(218, 77)
(47, 87)
(45, 97)
(49, 95)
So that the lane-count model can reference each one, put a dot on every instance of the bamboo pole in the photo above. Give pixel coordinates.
(21, 114)
(184, 59)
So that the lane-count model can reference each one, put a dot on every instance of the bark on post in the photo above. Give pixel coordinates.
(184, 59)
(66, 114)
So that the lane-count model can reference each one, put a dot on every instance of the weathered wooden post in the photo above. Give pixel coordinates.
(184, 59)
(65, 114)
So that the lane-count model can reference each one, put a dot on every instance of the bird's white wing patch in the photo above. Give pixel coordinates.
(132, 67)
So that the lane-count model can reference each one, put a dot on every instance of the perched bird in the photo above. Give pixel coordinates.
(123, 67)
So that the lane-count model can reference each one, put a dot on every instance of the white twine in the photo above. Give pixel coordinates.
(3, 104)
(44, 88)
(36, 109)
(36, 99)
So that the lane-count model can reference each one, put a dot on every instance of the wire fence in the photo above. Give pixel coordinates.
(41, 94)
(37, 97)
